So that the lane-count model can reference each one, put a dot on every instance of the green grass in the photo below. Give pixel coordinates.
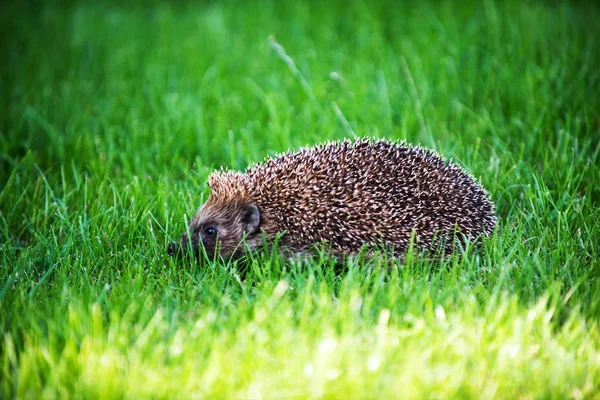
(112, 116)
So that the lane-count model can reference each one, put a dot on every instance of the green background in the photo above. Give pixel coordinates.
(113, 114)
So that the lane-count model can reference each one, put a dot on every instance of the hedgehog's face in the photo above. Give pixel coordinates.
(222, 230)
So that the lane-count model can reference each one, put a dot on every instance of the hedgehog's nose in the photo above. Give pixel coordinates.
(174, 249)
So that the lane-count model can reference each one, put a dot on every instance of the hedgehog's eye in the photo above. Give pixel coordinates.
(210, 232)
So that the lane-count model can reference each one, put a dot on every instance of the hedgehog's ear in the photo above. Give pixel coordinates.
(251, 218)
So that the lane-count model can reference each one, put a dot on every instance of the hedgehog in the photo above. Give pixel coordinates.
(345, 195)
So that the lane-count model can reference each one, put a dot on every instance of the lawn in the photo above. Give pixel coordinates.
(112, 115)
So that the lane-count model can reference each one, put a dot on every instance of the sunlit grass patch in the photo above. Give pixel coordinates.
(271, 350)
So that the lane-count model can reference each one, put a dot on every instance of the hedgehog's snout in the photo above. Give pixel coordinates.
(174, 249)
(181, 247)
(177, 249)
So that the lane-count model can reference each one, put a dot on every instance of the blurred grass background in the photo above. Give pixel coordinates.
(112, 115)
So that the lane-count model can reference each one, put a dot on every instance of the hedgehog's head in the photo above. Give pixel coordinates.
(225, 223)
